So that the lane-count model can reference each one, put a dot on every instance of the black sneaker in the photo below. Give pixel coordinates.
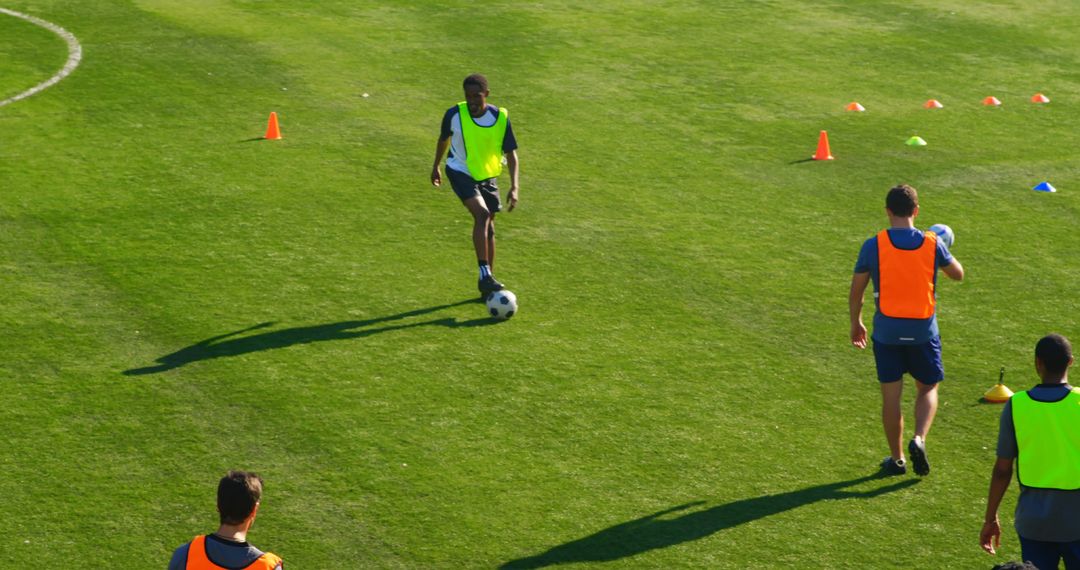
(890, 466)
(917, 449)
(487, 286)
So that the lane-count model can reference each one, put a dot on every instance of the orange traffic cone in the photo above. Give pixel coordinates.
(1039, 98)
(855, 106)
(991, 101)
(273, 133)
(823, 147)
(932, 104)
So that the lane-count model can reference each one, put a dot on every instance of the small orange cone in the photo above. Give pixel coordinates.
(932, 104)
(1039, 98)
(273, 133)
(823, 147)
(855, 106)
(991, 102)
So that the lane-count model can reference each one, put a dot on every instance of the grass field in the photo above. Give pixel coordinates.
(677, 390)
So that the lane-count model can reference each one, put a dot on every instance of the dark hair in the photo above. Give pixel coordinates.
(477, 80)
(237, 494)
(1014, 565)
(1055, 352)
(902, 200)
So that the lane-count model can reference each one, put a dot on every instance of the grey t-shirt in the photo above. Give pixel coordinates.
(1041, 514)
(224, 553)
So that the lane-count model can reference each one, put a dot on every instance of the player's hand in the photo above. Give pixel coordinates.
(512, 197)
(858, 335)
(436, 178)
(990, 537)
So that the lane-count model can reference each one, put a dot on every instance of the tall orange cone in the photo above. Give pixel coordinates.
(823, 147)
(273, 133)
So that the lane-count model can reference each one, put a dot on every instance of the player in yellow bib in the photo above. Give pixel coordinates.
(1039, 433)
(478, 136)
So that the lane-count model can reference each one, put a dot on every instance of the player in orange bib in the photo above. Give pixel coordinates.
(239, 494)
(902, 263)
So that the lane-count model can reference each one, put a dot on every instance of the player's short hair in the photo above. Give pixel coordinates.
(1055, 352)
(1014, 565)
(238, 493)
(477, 80)
(902, 200)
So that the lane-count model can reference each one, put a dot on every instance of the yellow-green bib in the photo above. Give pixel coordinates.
(1048, 441)
(483, 145)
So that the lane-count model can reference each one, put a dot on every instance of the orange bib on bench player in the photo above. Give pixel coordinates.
(197, 559)
(906, 278)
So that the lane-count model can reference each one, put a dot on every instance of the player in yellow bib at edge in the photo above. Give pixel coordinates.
(478, 136)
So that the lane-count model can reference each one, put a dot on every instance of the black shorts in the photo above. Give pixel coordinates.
(465, 187)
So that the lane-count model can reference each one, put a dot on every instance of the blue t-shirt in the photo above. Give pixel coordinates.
(892, 330)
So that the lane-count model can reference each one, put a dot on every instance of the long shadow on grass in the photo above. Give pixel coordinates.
(229, 345)
(652, 532)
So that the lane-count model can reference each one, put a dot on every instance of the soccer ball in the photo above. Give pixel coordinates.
(502, 304)
(944, 233)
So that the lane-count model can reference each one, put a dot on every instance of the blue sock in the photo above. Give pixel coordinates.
(485, 270)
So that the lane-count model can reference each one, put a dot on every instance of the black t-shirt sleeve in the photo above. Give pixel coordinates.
(509, 142)
(447, 117)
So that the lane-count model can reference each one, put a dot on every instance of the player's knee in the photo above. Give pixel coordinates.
(482, 217)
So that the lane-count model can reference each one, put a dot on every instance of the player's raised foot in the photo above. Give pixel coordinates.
(488, 285)
(890, 466)
(917, 449)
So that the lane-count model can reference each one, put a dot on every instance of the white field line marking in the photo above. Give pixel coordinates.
(74, 55)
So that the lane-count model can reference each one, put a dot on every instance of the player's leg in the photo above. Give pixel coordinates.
(1070, 552)
(926, 403)
(481, 220)
(489, 191)
(491, 242)
(890, 371)
(1040, 553)
(892, 416)
(927, 369)
(468, 191)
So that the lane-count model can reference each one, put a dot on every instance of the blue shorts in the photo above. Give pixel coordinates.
(921, 361)
(465, 188)
(1049, 554)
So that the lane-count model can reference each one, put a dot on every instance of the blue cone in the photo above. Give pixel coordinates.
(1044, 187)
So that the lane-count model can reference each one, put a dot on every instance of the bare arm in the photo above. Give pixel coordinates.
(990, 536)
(440, 150)
(954, 270)
(859, 282)
(512, 163)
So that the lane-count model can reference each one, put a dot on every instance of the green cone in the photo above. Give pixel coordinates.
(915, 141)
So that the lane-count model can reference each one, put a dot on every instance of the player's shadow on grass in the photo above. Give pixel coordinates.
(659, 530)
(229, 344)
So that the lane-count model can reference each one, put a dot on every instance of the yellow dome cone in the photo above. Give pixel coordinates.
(999, 394)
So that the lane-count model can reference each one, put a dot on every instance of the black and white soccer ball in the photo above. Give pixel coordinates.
(502, 305)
